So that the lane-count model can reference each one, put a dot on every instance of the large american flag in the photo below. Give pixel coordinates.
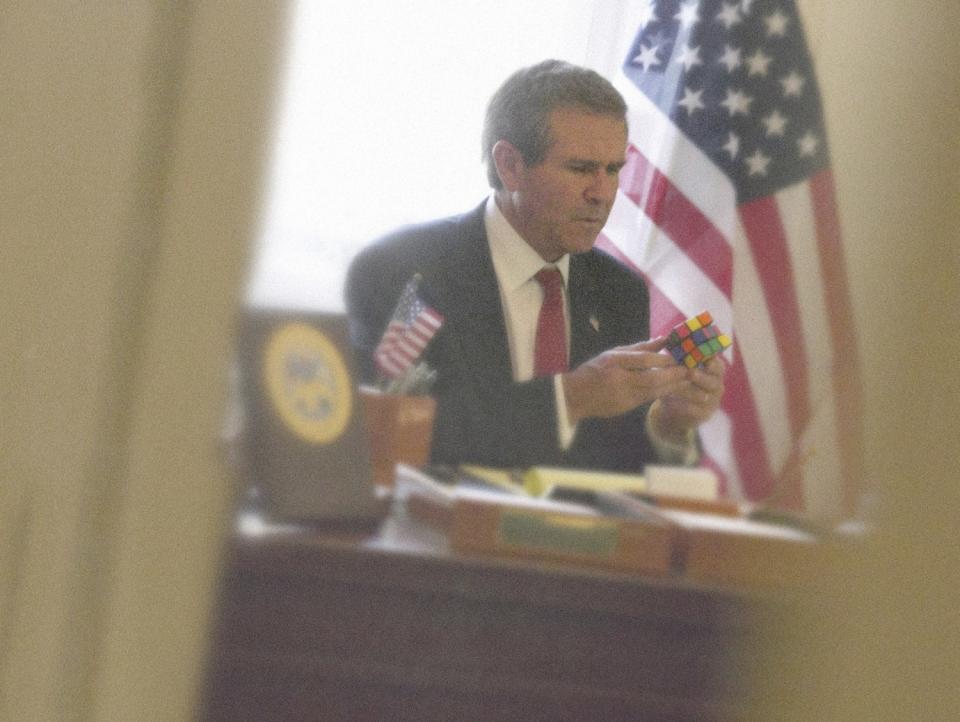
(411, 327)
(727, 204)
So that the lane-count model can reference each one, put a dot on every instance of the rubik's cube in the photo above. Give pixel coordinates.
(695, 340)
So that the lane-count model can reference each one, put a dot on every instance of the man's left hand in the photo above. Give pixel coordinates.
(676, 414)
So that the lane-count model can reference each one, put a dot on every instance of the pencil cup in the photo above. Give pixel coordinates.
(400, 429)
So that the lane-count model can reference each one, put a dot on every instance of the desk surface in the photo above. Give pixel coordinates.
(393, 626)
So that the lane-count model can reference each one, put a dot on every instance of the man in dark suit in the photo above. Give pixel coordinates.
(539, 368)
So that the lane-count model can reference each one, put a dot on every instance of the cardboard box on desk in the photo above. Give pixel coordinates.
(714, 546)
(616, 530)
(477, 521)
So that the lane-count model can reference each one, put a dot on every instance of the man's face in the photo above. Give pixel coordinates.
(559, 205)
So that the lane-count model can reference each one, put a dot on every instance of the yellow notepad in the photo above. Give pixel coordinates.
(502, 478)
(540, 480)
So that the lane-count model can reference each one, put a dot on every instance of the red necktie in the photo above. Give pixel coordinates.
(550, 350)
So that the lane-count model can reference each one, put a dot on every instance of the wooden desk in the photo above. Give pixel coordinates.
(314, 627)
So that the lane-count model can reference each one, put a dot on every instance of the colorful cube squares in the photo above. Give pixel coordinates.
(696, 340)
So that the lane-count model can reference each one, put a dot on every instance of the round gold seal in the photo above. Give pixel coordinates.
(308, 383)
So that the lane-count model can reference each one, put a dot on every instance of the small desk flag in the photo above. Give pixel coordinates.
(411, 327)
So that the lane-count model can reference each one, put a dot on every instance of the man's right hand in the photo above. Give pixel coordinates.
(621, 379)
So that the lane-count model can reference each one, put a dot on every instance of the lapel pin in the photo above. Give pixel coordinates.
(595, 323)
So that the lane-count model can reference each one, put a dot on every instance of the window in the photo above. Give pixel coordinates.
(379, 125)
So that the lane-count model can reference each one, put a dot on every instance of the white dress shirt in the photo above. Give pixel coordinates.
(515, 264)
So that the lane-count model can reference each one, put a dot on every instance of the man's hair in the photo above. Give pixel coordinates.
(519, 111)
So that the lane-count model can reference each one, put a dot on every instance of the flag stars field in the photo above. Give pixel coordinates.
(729, 16)
(775, 123)
(689, 57)
(776, 24)
(758, 63)
(732, 146)
(737, 102)
(692, 100)
(731, 58)
(757, 163)
(736, 68)
(648, 58)
(808, 144)
(792, 84)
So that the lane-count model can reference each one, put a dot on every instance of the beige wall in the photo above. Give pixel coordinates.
(892, 97)
(131, 140)
(882, 640)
